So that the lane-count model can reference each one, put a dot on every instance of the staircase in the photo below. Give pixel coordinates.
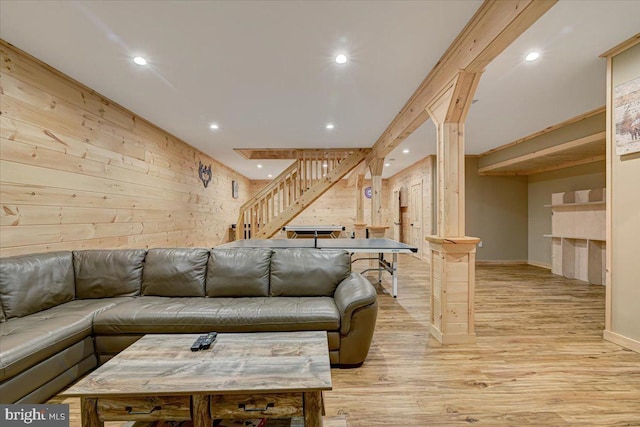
(309, 177)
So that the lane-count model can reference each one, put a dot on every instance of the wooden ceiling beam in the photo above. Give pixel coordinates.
(359, 171)
(266, 153)
(290, 153)
(495, 25)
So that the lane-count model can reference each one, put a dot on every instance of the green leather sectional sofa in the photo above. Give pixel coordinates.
(63, 313)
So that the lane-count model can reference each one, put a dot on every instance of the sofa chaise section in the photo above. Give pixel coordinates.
(38, 348)
(46, 334)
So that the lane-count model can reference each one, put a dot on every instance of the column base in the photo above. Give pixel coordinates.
(360, 230)
(446, 339)
(377, 231)
(452, 288)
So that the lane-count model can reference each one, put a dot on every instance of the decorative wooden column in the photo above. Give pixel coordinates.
(376, 229)
(360, 226)
(452, 253)
(375, 167)
(445, 95)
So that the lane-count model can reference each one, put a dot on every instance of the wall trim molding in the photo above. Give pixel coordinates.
(539, 264)
(501, 262)
(621, 340)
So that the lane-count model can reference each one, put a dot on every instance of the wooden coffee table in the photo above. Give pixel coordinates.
(249, 375)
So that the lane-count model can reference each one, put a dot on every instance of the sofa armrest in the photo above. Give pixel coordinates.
(353, 293)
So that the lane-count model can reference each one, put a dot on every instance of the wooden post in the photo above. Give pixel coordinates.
(359, 226)
(375, 166)
(313, 408)
(452, 253)
(201, 415)
(445, 95)
(89, 412)
(359, 199)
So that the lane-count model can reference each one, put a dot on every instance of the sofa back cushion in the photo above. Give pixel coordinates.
(176, 272)
(238, 273)
(108, 273)
(32, 283)
(308, 272)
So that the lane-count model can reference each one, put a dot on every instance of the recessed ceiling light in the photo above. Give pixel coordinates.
(214, 126)
(341, 58)
(259, 166)
(140, 60)
(387, 164)
(405, 151)
(330, 126)
(270, 176)
(532, 56)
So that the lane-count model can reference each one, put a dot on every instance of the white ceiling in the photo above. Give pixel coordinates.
(265, 71)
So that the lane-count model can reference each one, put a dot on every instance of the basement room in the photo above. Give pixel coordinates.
(271, 213)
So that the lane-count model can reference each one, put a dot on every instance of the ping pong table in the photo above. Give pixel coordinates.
(295, 231)
(370, 246)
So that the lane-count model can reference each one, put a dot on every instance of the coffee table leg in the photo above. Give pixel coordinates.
(89, 412)
(201, 415)
(312, 408)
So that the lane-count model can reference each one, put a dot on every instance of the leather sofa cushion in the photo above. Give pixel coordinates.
(238, 273)
(29, 340)
(31, 283)
(199, 315)
(108, 273)
(308, 272)
(178, 272)
(26, 382)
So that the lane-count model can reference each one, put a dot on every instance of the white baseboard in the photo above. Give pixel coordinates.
(621, 340)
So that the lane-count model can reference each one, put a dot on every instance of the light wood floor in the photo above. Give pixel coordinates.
(539, 359)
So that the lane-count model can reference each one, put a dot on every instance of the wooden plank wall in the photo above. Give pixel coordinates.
(78, 171)
(419, 171)
(336, 207)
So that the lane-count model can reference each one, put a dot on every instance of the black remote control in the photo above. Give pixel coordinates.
(208, 340)
(197, 345)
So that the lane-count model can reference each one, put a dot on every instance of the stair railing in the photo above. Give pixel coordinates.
(310, 167)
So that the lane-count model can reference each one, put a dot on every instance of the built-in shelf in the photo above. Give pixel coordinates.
(578, 242)
(568, 205)
(596, 195)
(553, 236)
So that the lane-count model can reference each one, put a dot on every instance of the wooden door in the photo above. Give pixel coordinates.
(397, 223)
(415, 217)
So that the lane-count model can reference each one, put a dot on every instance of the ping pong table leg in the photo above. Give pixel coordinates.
(394, 274)
(380, 267)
